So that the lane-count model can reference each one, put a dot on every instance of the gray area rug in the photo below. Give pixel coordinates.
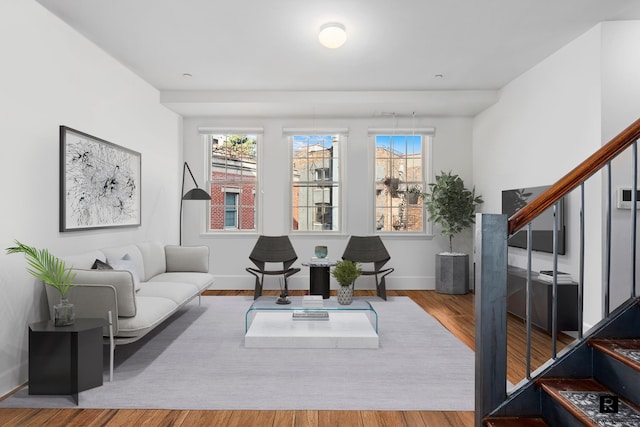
(197, 360)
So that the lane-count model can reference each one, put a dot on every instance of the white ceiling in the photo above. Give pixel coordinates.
(262, 57)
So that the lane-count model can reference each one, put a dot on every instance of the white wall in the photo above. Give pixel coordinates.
(545, 123)
(52, 76)
(412, 257)
(620, 107)
(549, 120)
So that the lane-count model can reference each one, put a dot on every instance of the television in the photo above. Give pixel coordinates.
(542, 225)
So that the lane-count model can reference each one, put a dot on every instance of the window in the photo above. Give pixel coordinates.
(233, 181)
(399, 180)
(315, 191)
(230, 210)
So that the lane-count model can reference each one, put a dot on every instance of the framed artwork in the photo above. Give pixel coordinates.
(99, 183)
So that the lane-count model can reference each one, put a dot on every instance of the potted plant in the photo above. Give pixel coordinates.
(451, 206)
(53, 272)
(346, 272)
(413, 193)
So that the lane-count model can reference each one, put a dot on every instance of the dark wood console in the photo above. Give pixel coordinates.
(541, 293)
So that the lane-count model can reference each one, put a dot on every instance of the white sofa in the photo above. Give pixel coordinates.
(166, 278)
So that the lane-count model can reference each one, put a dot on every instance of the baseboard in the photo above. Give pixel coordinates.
(11, 380)
(302, 282)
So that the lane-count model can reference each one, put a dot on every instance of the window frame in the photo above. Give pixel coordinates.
(230, 186)
(342, 134)
(427, 135)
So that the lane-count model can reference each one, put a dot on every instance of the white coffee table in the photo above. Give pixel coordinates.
(270, 325)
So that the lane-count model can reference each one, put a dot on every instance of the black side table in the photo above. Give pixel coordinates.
(65, 359)
(319, 277)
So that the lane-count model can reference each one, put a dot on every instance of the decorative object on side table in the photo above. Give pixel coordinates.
(53, 272)
(284, 293)
(321, 251)
(451, 206)
(346, 272)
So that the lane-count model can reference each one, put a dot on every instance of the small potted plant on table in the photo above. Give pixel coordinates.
(346, 272)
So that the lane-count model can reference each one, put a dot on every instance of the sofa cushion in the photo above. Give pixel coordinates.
(118, 252)
(187, 258)
(151, 312)
(126, 264)
(179, 293)
(84, 261)
(200, 280)
(120, 280)
(154, 259)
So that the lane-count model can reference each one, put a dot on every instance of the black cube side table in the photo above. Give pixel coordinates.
(65, 359)
(319, 276)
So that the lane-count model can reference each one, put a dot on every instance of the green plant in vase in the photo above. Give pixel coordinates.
(346, 272)
(53, 272)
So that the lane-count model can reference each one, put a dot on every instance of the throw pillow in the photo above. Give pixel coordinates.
(126, 264)
(101, 265)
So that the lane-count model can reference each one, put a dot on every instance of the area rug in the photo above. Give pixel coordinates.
(197, 360)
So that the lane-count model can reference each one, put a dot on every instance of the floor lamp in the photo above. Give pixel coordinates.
(193, 194)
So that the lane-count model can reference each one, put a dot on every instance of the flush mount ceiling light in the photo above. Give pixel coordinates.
(332, 35)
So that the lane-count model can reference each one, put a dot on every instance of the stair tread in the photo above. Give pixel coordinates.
(556, 386)
(515, 422)
(625, 350)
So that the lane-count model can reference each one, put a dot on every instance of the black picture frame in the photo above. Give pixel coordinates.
(100, 183)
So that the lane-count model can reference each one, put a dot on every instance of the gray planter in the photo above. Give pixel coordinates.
(452, 274)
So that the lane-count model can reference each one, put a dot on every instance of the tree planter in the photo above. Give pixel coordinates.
(452, 273)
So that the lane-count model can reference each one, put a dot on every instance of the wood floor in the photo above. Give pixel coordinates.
(455, 312)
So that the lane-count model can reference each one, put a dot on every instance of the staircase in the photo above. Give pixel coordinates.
(602, 367)
(568, 392)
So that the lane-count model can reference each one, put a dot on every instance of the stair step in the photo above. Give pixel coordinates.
(515, 422)
(580, 398)
(626, 351)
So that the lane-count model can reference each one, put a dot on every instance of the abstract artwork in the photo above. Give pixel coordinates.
(99, 183)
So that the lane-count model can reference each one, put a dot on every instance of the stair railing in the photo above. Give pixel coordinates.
(490, 256)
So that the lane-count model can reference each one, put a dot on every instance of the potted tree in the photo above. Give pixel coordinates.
(53, 272)
(451, 206)
(346, 272)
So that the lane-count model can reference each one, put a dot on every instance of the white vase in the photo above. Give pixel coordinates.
(345, 294)
(64, 313)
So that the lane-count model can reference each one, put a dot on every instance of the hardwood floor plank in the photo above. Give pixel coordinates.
(207, 418)
(284, 418)
(340, 419)
(383, 419)
(454, 312)
(305, 419)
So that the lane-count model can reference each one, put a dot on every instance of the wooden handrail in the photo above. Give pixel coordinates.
(570, 181)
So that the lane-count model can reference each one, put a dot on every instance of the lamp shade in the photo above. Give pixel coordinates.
(196, 194)
(332, 35)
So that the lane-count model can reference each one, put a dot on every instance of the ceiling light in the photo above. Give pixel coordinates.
(332, 35)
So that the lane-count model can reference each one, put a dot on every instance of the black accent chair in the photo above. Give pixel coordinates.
(272, 249)
(370, 249)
